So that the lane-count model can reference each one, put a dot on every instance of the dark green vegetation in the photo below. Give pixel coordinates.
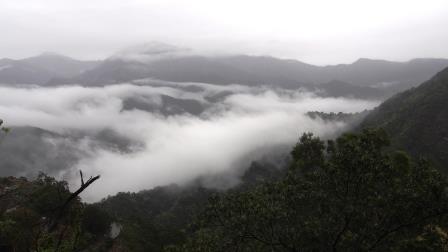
(351, 118)
(155, 219)
(344, 195)
(30, 219)
(348, 194)
(417, 120)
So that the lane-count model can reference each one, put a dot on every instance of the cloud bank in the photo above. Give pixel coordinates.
(165, 144)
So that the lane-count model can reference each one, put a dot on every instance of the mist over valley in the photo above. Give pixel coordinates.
(221, 126)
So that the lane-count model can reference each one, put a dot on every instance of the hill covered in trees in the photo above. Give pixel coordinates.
(347, 194)
(417, 120)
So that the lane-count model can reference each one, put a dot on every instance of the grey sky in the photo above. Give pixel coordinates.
(318, 31)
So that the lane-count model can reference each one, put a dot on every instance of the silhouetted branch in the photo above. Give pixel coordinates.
(72, 196)
(82, 178)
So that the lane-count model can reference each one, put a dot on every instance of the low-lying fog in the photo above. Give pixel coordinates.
(149, 133)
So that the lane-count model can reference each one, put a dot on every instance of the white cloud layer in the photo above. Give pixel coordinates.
(176, 148)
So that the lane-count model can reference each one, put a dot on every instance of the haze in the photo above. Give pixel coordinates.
(318, 32)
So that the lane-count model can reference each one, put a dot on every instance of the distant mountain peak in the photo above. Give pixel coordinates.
(360, 60)
(367, 61)
(151, 51)
(52, 55)
(49, 53)
(155, 48)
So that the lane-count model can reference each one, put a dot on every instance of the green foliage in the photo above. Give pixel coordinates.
(155, 219)
(27, 209)
(17, 227)
(95, 220)
(343, 117)
(308, 153)
(346, 195)
(417, 120)
(48, 195)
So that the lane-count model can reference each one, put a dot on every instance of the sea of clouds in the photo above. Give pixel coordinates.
(237, 125)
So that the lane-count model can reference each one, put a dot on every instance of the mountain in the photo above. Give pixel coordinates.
(18, 72)
(41, 69)
(61, 65)
(366, 78)
(417, 119)
(185, 69)
(256, 70)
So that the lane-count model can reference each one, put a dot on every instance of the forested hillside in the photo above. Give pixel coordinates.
(417, 120)
(351, 193)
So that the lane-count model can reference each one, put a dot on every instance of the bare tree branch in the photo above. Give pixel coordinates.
(72, 196)
(82, 178)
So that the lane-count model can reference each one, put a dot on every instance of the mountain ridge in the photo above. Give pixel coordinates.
(417, 119)
(372, 78)
(40, 69)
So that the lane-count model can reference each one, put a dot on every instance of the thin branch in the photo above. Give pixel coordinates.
(72, 196)
(82, 178)
(341, 232)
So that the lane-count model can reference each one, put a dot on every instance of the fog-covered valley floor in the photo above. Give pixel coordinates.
(149, 133)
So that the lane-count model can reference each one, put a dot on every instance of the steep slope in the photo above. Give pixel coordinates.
(417, 119)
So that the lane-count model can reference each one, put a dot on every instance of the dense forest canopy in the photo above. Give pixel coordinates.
(350, 193)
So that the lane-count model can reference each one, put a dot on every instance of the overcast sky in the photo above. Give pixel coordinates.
(313, 31)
